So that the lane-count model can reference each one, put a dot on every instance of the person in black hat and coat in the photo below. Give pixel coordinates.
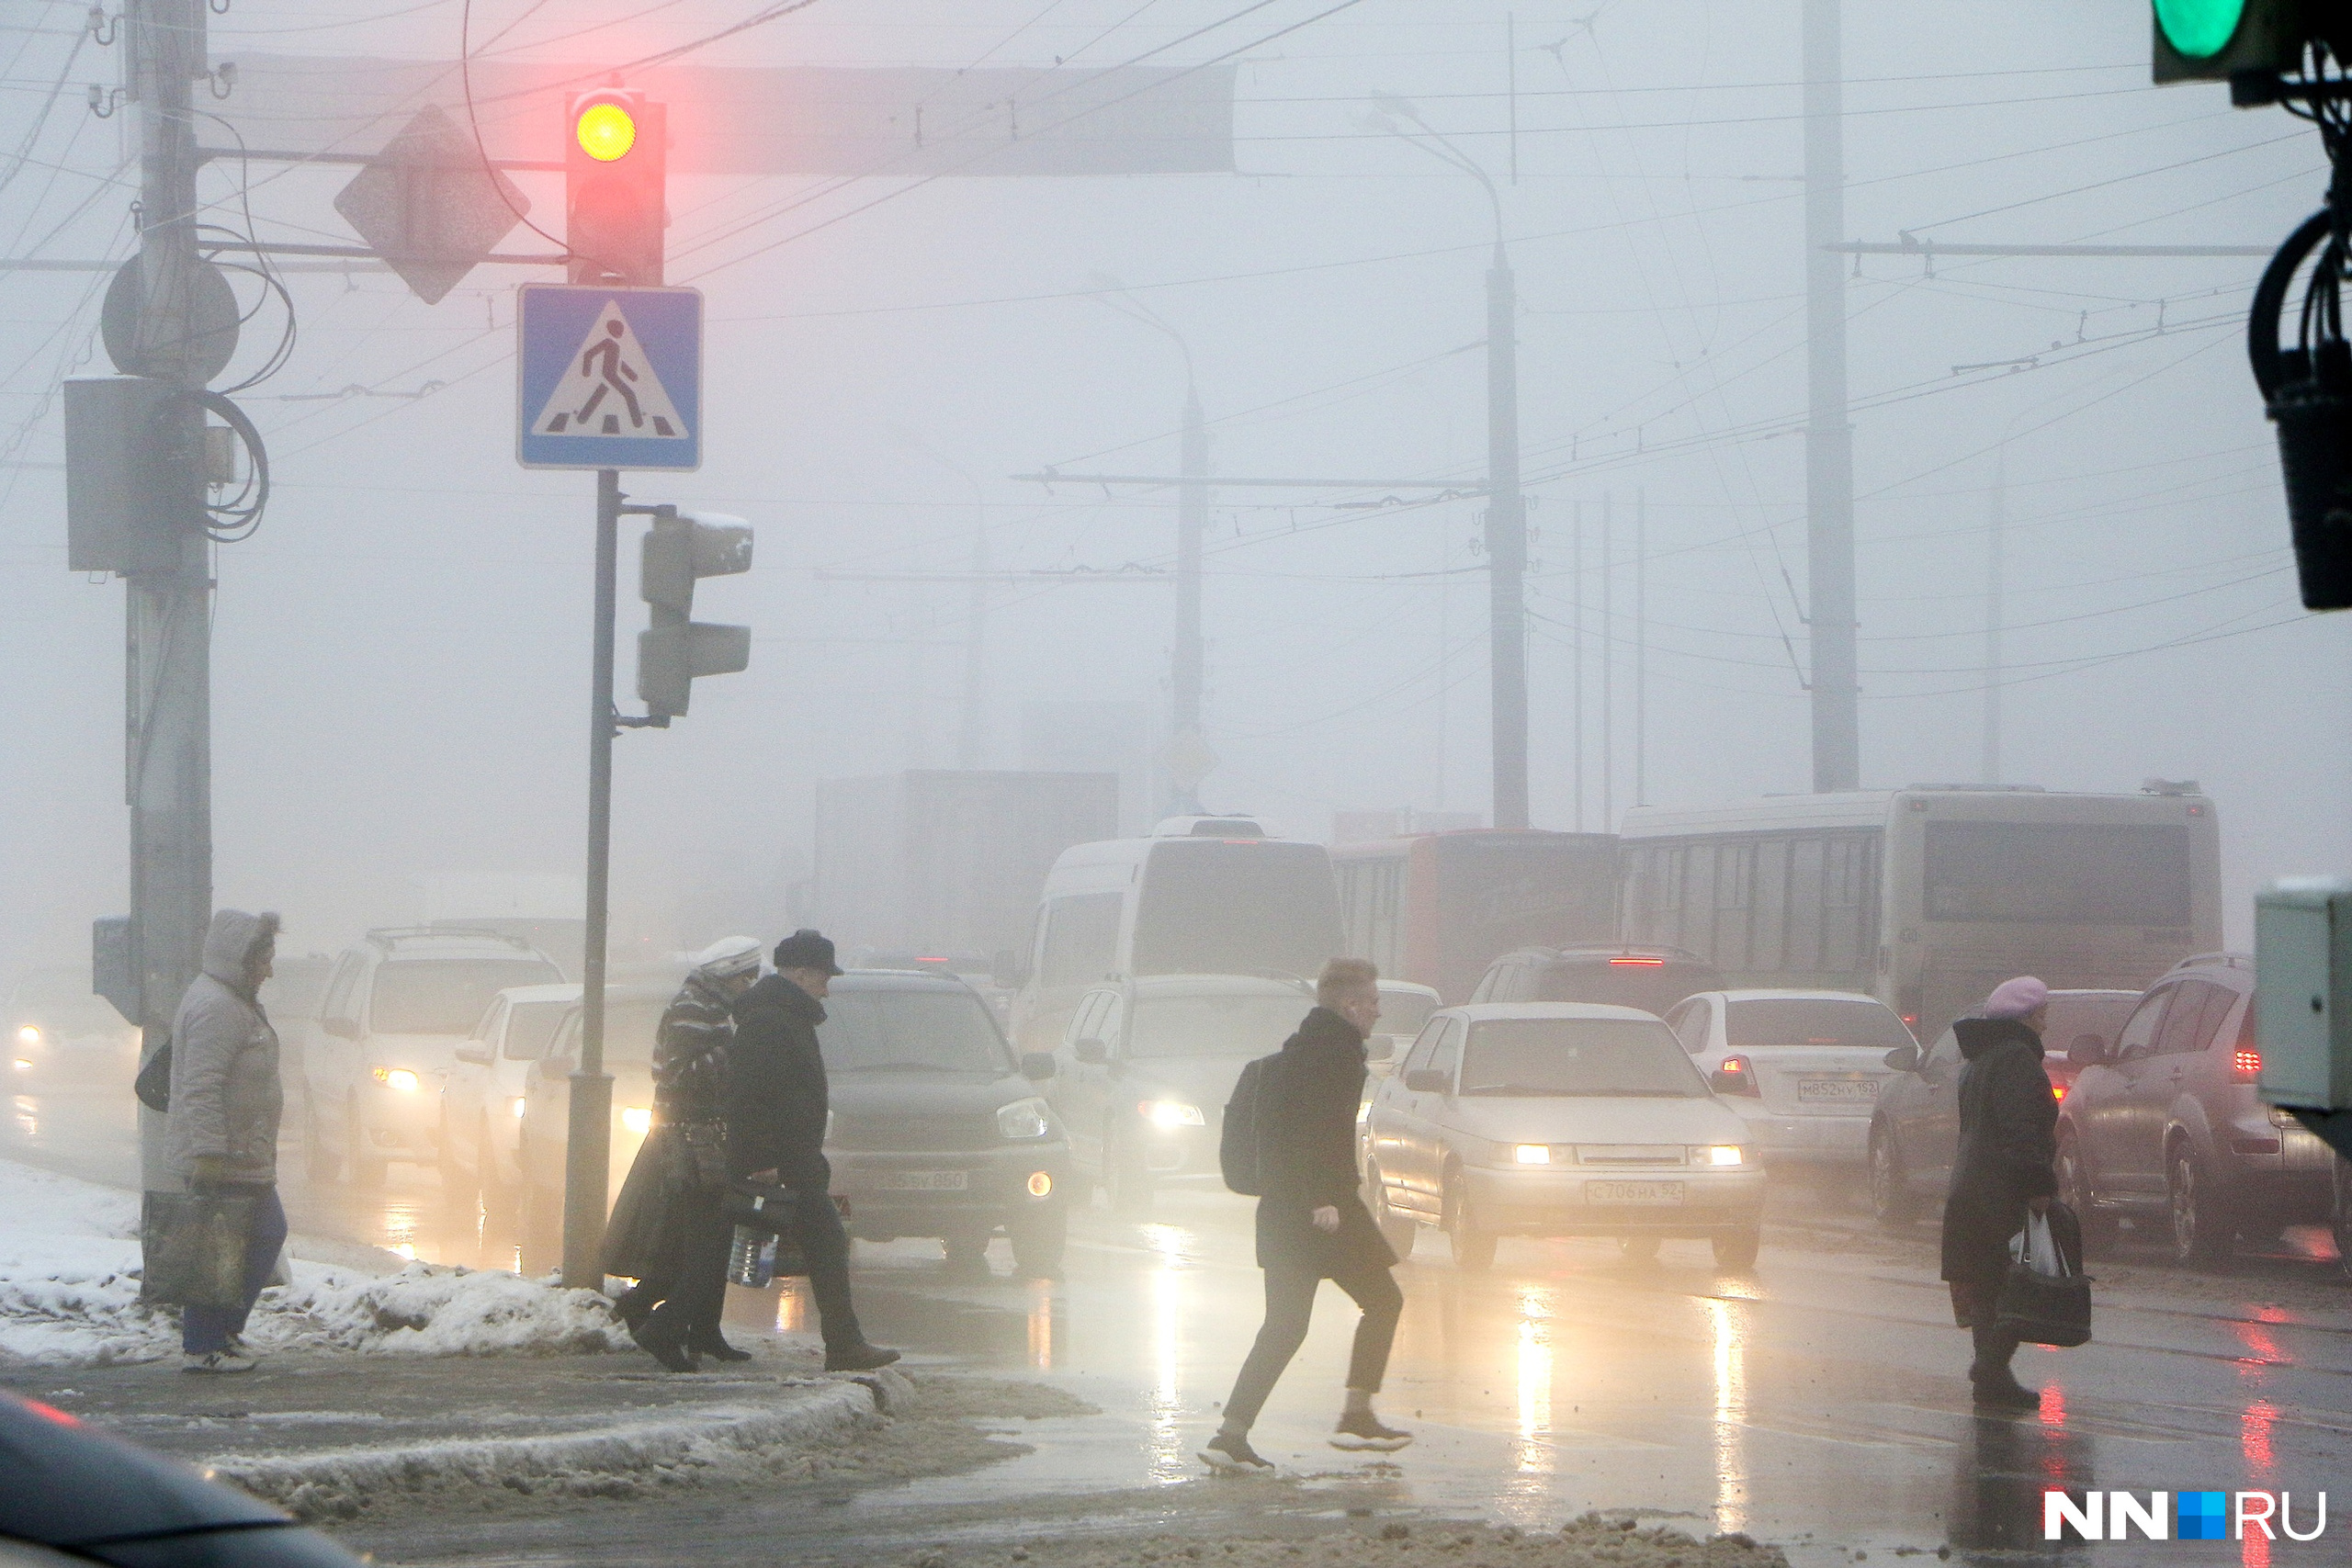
(776, 1104)
(1312, 1225)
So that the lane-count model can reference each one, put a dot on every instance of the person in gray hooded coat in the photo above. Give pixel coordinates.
(225, 1107)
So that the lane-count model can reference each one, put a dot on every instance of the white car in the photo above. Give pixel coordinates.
(1556, 1119)
(482, 1102)
(1802, 1069)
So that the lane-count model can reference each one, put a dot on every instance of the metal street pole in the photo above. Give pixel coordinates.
(1192, 525)
(168, 652)
(588, 1154)
(1990, 773)
(1506, 547)
(1829, 441)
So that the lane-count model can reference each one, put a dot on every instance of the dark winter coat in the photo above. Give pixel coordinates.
(226, 1099)
(1307, 1153)
(776, 1093)
(690, 1052)
(2008, 1145)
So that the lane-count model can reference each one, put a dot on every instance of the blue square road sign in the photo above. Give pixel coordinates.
(608, 378)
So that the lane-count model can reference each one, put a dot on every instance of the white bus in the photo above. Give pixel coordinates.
(1201, 896)
(1927, 897)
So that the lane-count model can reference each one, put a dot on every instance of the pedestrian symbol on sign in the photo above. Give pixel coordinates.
(610, 389)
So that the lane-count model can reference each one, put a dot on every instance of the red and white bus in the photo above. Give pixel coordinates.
(1438, 907)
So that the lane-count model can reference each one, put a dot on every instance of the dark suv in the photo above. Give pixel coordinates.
(1650, 978)
(2164, 1125)
(937, 1129)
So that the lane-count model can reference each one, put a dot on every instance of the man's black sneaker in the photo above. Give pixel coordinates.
(1229, 1453)
(858, 1357)
(715, 1346)
(1363, 1431)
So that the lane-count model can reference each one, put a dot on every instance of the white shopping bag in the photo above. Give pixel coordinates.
(2033, 1247)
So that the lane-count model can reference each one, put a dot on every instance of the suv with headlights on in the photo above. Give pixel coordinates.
(397, 1007)
(1147, 1065)
(937, 1129)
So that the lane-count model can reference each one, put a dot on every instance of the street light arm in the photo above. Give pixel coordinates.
(1453, 156)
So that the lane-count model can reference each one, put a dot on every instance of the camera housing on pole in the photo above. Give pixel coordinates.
(682, 547)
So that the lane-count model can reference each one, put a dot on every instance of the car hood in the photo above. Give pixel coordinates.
(418, 1053)
(1598, 1120)
(1204, 1081)
(872, 1095)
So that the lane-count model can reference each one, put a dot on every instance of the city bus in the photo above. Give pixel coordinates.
(1929, 896)
(1201, 896)
(1436, 909)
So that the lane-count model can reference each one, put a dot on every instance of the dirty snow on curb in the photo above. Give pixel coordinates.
(69, 1294)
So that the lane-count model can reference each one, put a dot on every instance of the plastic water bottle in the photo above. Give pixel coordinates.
(750, 1261)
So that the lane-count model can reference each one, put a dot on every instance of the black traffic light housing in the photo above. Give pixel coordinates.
(615, 158)
(681, 548)
(2248, 43)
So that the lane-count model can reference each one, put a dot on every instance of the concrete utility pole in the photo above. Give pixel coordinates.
(1989, 774)
(971, 736)
(1829, 439)
(1506, 540)
(1191, 527)
(168, 652)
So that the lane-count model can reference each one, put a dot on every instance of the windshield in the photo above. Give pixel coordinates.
(1794, 1020)
(911, 1032)
(1651, 986)
(630, 1027)
(1600, 1056)
(2078, 872)
(531, 1025)
(1214, 1026)
(1404, 1013)
(447, 995)
(1211, 907)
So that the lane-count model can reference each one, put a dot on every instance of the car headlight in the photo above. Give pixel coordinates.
(1717, 1155)
(1024, 1119)
(1171, 1113)
(28, 1035)
(1531, 1154)
(638, 1118)
(399, 1078)
(521, 1105)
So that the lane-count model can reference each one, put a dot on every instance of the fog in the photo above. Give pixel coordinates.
(401, 653)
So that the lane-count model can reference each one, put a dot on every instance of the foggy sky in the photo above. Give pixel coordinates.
(401, 662)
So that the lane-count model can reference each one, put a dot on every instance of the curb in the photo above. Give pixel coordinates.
(337, 1483)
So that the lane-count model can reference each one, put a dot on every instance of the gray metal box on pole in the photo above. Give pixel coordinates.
(117, 447)
(2302, 997)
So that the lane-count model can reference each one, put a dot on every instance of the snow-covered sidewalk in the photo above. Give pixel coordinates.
(69, 1294)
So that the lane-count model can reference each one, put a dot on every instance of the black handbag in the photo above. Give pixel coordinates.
(2043, 1307)
(153, 1084)
(194, 1248)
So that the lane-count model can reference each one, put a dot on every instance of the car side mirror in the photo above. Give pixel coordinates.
(474, 1050)
(1428, 1080)
(1903, 1059)
(1038, 1065)
(1379, 1047)
(2088, 1051)
(1093, 1052)
(341, 1027)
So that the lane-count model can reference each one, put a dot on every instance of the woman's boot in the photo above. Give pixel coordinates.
(1995, 1384)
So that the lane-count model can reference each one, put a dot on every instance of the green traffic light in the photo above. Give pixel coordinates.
(2199, 28)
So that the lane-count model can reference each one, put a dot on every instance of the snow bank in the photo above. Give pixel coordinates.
(69, 1294)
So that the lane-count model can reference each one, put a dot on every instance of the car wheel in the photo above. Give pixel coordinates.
(367, 1168)
(1038, 1241)
(1737, 1248)
(318, 1161)
(2200, 1234)
(460, 1192)
(1638, 1248)
(2075, 1191)
(2340, 1216)
(1398, 1231)
(1892, 1201)
(1473, 1248)
(1125, 1180)
(966, 1251)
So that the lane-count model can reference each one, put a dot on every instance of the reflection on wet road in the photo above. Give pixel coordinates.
(1816, 1401)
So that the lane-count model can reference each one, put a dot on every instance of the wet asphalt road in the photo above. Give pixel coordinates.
(1814, 1402)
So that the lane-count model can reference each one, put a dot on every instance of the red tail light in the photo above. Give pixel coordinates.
(1637, 964)
(1910, 1021)
(2246, 1064)
(1736, 1076)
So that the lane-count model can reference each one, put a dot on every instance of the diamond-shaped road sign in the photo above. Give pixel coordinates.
(429, 205)
(608, 378)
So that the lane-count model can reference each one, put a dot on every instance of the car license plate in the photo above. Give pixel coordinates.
(1633, 1193)
(1838, 1091)
(926, 1181)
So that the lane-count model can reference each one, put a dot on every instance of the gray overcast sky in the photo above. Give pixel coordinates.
(401, 653)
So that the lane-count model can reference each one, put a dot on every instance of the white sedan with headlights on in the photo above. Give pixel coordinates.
(483, 1101)
(1558, 1119)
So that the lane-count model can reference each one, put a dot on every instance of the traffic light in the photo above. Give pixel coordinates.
(679, 548)
(615, 161)
(2249, 42)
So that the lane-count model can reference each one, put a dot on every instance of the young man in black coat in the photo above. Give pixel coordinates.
(2002, 1170)
(777, 1102)
(1312, 1225)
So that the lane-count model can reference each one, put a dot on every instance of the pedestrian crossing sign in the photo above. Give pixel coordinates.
(608, 378)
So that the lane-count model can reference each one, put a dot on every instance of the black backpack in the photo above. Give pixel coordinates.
(1236, 1147)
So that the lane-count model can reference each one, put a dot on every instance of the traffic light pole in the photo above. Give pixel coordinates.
(587, 1167)
(168, 649)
